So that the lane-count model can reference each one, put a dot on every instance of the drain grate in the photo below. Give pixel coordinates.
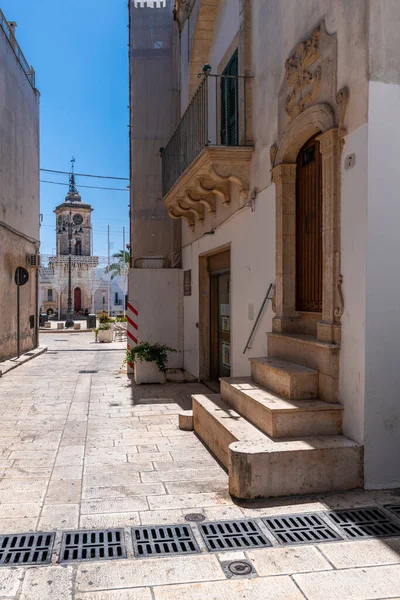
(92, 545)
(26, 548)
(364, 522)
(230, 535)
(394, 508)
(300, 529)
(87, 371)
(163, 540)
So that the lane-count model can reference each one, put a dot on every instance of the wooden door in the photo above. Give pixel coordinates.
(220, 318)
(77, 299)
(309, 228)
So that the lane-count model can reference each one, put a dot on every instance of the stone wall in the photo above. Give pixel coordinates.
(14, 249)
(19, 198)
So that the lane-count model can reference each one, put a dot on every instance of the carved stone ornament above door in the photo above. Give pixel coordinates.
(310, 78)
(182, 10)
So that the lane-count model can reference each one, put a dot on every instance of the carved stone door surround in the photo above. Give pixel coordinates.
(309, 109)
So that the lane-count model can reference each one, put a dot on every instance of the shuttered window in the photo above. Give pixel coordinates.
(229, 103)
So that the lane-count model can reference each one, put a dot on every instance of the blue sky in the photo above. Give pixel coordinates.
(79, 51)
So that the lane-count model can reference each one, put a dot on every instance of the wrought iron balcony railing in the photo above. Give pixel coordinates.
(216, 116)
(9, 33)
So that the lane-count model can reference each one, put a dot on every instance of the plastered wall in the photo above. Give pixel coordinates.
(19, 197)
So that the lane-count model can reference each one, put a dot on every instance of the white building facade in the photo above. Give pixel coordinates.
(19, 193)
(281, 171)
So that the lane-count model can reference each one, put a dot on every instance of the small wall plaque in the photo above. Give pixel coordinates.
(187, 282)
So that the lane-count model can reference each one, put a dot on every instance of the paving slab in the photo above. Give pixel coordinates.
(286, 561)
(133, 594)
(47, 583)
(271, 588)
(374, 583)
(109, 520)
(148, 572)
(363, 553)
(59, 516)
(10, 581)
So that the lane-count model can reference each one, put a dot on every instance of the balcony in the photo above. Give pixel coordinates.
(208, 156)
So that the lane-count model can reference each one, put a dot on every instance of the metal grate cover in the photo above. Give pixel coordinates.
(364, 522)
(195, 517)
(231, 535)
(300, 529)
(87, 371)
(394, 508)
(92, 545)
(163, 540)
(26, 548)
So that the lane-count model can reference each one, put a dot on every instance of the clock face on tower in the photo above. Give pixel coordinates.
(78, 219)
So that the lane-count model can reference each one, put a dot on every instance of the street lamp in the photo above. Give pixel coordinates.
(67, 225)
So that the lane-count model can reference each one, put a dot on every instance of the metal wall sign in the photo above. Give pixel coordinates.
(187, 282)
(21, 277)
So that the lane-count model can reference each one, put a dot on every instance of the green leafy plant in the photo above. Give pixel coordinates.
(96, 333)
(120, 264)
(104, 326)
(104, 318)
(121, 319)
(145, 351)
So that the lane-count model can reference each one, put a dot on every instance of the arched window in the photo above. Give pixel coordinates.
(78, 247)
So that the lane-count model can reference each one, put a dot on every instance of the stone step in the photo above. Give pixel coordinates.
(309, 352)
(218, 425)
(280, 417)
(287, 379)
(262, 467)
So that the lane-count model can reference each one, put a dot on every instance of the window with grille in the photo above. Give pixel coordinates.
(49, 295)
(78, 247)
(229, 103)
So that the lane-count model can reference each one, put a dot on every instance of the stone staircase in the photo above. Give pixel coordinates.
(279, 432)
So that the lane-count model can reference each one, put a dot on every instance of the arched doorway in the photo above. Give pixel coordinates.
(309, 228)
(77, 299)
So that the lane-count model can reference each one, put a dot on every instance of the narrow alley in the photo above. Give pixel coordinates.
(83, 448)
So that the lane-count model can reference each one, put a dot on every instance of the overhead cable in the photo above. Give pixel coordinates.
(85, 175)
(93, 187)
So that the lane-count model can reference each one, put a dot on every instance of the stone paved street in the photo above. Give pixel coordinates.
(81, 447)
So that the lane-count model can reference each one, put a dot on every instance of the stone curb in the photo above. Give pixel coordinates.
(9, 365)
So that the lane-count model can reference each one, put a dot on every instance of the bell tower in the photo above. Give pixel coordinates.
(80, 213)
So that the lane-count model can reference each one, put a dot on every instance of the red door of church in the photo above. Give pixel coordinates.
(77, 299)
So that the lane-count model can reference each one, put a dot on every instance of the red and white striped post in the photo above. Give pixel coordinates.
(132, 330)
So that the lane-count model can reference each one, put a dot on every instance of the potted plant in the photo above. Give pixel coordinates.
(150, 362)
(104, 318)
(105, 333)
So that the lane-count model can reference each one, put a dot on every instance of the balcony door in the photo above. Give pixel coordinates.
(229, 103)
